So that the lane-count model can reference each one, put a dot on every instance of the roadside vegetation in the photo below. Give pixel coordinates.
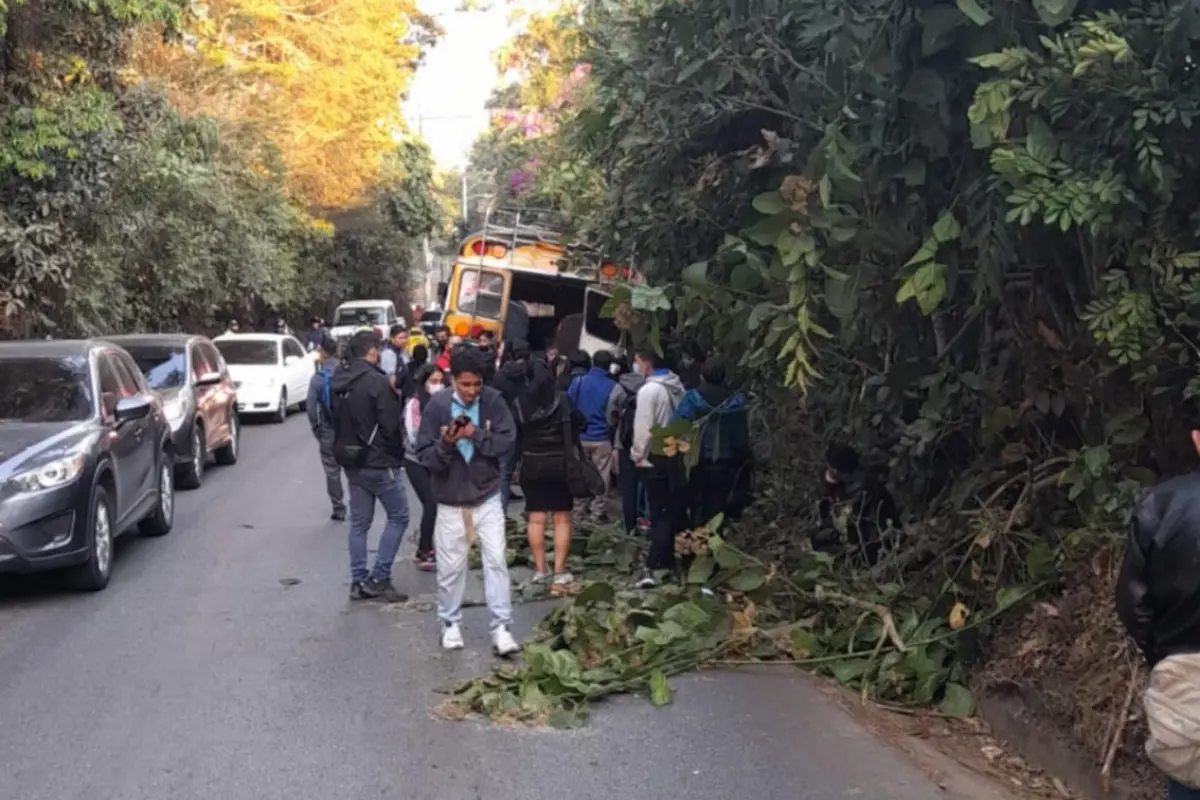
(960, 236)
(152, 179)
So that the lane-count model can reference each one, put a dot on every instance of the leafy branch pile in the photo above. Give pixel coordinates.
(732, 609)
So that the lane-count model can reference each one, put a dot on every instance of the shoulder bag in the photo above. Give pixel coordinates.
(583, 479)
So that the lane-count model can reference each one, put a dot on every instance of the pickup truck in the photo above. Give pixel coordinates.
(379, 315)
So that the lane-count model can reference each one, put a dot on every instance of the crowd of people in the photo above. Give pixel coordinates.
(472, 421)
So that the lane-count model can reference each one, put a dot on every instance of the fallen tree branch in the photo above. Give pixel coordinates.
(1135, 680)
(821, 594)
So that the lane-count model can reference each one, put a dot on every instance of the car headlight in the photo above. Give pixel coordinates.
(175, 411)
(57, 473)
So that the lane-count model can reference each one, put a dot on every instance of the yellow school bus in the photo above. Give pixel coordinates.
(522, 283)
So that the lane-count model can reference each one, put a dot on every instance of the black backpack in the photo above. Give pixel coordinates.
(349, 449)
(625, 420)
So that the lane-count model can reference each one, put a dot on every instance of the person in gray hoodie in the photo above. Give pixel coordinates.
(466, 436)
(656, 402)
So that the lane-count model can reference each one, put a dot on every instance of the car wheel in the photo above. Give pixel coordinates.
(191, 474)
(93, 574)
(228, 453)
(160, 521)
(281, 414)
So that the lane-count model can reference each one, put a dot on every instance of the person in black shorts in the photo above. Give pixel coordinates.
(545, 418)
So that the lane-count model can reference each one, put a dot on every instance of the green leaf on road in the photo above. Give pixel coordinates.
(660, 690)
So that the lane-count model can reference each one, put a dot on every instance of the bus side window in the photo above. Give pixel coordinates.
(600, 327)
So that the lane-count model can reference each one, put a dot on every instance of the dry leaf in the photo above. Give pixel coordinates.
(983, 540)
(1048, 609)
(1049, 337)
(958, 617)
(1014, 453)
(976, 571)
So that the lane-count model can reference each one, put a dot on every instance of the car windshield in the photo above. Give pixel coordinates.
(45, 389)
(249, 351)
(359, 316)
(164, 367)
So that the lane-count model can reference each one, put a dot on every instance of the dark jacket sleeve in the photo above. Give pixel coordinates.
(1133, 587)
(312, 405)
(433, 453)
(502, 438)
(387, 415)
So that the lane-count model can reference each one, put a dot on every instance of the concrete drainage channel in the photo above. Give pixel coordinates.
(1013, 717)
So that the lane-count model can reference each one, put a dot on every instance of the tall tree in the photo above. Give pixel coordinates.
(321, 79)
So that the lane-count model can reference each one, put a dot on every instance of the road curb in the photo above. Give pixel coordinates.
(1012, 713)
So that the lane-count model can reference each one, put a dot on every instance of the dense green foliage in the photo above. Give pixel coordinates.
(118, 214)
(961, 235)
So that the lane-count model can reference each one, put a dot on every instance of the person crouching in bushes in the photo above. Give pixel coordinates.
(465, 437)
(549, 426)
(428, 380)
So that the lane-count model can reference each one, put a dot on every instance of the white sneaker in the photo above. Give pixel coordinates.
(452, 638)
(503, 642)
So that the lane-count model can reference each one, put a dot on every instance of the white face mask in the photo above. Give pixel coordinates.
(437, 388)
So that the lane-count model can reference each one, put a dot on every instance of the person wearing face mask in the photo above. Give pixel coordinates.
(656, 402)
(429, 380)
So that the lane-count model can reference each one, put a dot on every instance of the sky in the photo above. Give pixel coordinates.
(448, 93)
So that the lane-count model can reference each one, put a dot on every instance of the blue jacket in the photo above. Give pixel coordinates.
(590, 394)
(725, 431)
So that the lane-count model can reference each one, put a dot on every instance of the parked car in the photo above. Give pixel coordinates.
(85, 456)
(269, 371)
(198, 398)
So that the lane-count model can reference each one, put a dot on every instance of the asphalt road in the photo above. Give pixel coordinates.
(224, 662)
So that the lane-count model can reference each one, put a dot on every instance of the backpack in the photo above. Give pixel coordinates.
(349, 449)
(326, 394)
(625, 420)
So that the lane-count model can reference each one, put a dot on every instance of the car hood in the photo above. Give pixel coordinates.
(23, 443)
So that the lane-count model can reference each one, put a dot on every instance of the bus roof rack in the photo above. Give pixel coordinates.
(506, 223)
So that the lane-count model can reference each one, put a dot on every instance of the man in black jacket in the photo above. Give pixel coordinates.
(369, 445)
(1158, 601)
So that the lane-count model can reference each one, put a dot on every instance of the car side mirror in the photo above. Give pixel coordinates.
(442, 288)
(131, 408)
(208, 379)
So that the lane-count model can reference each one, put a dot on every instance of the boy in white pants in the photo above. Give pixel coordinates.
(466, 436)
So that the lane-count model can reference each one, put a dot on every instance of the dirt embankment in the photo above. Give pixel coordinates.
(1063, 688)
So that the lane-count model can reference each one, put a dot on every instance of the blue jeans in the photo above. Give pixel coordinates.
(367, 486)
(1177, 791)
